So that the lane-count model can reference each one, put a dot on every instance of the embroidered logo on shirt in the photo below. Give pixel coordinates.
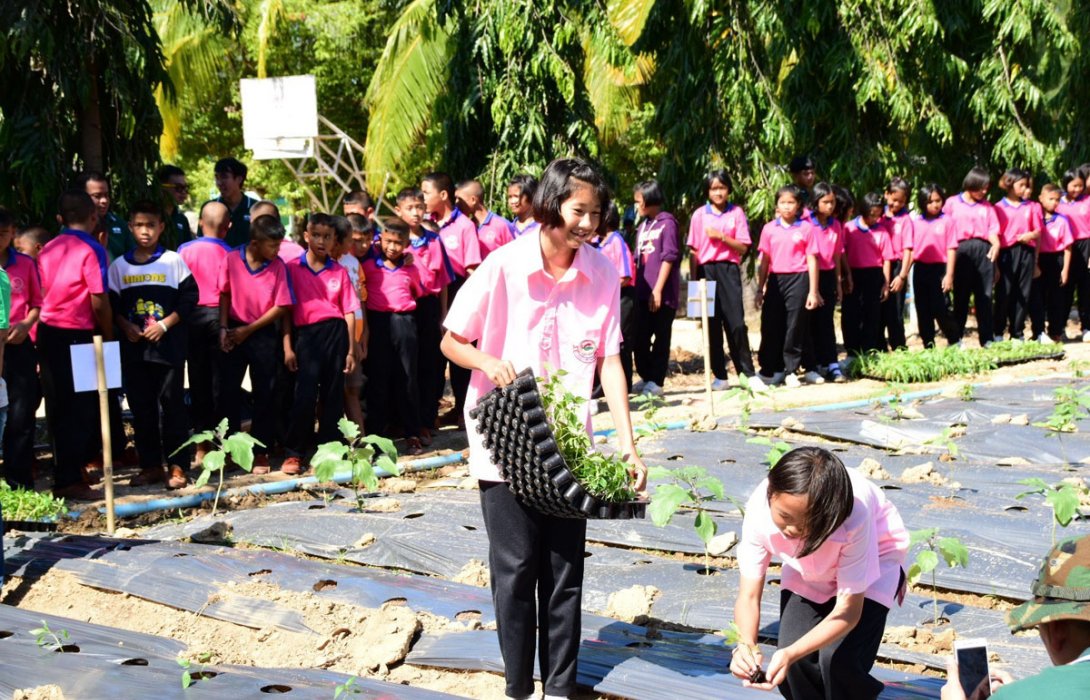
(585, 351)
(333, 284)
(17, 285)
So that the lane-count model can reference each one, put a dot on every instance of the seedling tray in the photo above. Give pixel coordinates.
(518, 435)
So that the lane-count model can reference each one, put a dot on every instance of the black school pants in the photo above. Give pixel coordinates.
(840, 670)
(1048, 300)
(861, 312)
(536, 566)
(392, 389)
(429, 362)
(1012, 292)
(259, 354)
(459, 376)
(932, 304)
(1078, 282)
(156, 392)
(320, 349)
(730, 317)
(652, 350)
(204, 359)
(783, 323)
(73, 418)
(819, 341)
(893, 311)
(628, 331)
(24, 396)
(974, 275)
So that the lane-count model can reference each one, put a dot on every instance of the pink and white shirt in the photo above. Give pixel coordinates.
(392, 289)
(290, 251)
(1017, 219)
(26, 285)
(616, 250)
(866, 247)
(971, 219)
(785, 245)
(864, 555)
(934, 238)
(73, 267)
(204, 258)
(901, 235)
(1057, 236)
(493, 232)
(253, 291)
(517, 312)
(730, 222)
(431, 262)
(826, 242)
(459, 236)
(322, 295)
(1078, 215)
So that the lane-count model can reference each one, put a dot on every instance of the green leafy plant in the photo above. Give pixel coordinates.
(946, 440)
(46, 638)
(776, 448)
(690, 487)
(1069, 406)
(359, 456)
(1079, 368)
(349, 687)
(731, 634)
(23, 504)
(746, 395)
(238, 446)
(933, 364)
(1062, 498)
(188, 674)
(952, 551)
(649, 405)
(967, 392)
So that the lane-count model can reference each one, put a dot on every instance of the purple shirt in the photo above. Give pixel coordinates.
(657, 241)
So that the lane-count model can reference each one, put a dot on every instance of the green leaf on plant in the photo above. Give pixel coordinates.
(954, 552)
(202, 478)
(914, 574)
(349, 429)
(917, 536)
(713, 486)
(658, 473)
(1064, 502)
(197, 438)
(705, 526)
(665, 502)
(241, 448)
(927, 561)
(214, 461)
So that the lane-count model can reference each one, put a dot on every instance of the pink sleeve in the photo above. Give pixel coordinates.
(950, 235)
(753, 557)
(471, 245)
(34, 294)
(695, 230)
(415, 286)
(993, 222)
(948, 206)
(92, 273)
(764, 245)
(1038, 218)
(887, 247)
(282, 295)
(908, 233)
(841, 235)
(466, 315)
(858, 560)
(741, 227)
(813, 247)
(350, 299)
(611, 335)
(1067, 237)
(442, 274)
(223, 280)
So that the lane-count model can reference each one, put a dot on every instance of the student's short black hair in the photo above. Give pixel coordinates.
(821, 476)
(37, 233)
(360, 197)
(408, 193)
(1072, 174)
(231, 166)
(1050, 187)
(266, 203)
(1084, 170)
(612, 218)
(651, 192)
(793, 191)
(526, 183)
(397, 225)
(341, 228)
(899, 184)
(559, 181)
(845, 202)
(1013, 175)
(148, 207)
(360, 223)
(720, 174)
(441, 182)
(6, 218)
(800, 163)
(976, 179)
(75, 206)
(925, 194)
(822, 189)
(462, 184)
(320, 218)
(163, 174)
(872, 200)
(267, 228)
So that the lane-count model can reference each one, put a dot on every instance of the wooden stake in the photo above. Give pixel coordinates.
(707, 344)
(107, 447)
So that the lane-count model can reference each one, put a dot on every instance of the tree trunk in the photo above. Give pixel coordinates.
(90, 127)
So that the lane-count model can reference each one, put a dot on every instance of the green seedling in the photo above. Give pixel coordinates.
(691, 487)
(946, 440)
(239, 447)
(1070, 405)
(359, 456)
(649, 405)
(776, 448)
(1079, 368)
(349, 687)
(952, 551)
(967, 392)
(46, 638)
(731, 634)
(188, 674)
(933, 364)
(744, 393)
(21, 504)
(1062, 498)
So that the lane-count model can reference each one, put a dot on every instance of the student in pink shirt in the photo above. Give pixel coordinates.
(843, 546)
(1049, 300)
(899, 224)
(492, 229)
(615, 248)
(787, 285)
(1075, 205)
(718, 239)
(1020, 224)
(520, 200)
(977, 229)
(254, 294)
(867, 252)
(323, 348)
(827, 243)
(548, 302)
(935, 254)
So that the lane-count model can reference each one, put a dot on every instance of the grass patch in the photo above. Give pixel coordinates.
(20, 504)
(933, 364)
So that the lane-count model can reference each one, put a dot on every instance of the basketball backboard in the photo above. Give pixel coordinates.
(279, 116)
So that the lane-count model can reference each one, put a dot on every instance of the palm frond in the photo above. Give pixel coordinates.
(629, 17)
(613, 76)
(270, 12)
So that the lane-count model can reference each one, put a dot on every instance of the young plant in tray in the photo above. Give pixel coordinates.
(21, 504)
(239, 447)
(359, 456)
(1062, 498)
(691, 487)
(953, 552)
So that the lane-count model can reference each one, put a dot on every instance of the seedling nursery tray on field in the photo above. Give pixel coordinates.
(517, 433)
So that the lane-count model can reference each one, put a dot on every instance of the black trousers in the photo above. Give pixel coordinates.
(783, 323)
(204, 361)
(391, 372)
(819, 341)
(156, 393)
(628, 331)
(974, 275)
(861, 312)
(652, 350)
(932, 304)
(1012, 292)
(1078, 282)
(893, 311)
(73, 418)
(729, 317)
(459, 376)
(1048, 300)
(24, 396)
(840, 670)
(532, 555)
(429, 333)
(320, 349)
(259, 354)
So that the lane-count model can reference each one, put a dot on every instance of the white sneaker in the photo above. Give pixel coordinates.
(1086, 337)
(1044, 339)
(812, 377)
(756, 384)
(652, 388)
(720, 385)
(791, 381)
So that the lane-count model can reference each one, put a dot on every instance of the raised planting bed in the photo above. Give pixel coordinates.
(933, 364)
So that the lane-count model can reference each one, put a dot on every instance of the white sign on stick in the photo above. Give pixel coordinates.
(84, 372)
(693, 310)
(279, 116)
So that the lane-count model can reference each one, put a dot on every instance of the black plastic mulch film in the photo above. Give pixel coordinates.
(517, 434)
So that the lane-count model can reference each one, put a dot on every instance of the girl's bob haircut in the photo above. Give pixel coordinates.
(1013, 175)
(820, 476)
(559, 181)
(899, 184)
(1070, 175)
(820, 190)
(872, 201)
(719, 174)
(526, 183)
(845, 203)
(925, 195)
(976, 179)
(651, 192)
(612, 218)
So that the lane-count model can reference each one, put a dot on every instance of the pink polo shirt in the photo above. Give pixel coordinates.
(826, 242)
(392, 289)
(934, 238)
(1016, 219)
(459, 236)
(322, 295)
(26, 285)
(785, 245)
(730, 222)
(204, 258)
(1057, 236)
(290, 250)
(971, 219)
(866, 247)
(253, 292)
(1078, 215)
(900, 231)
(519, 229)
(431, 262)
(617, 252)
(864, 555)
(517, 312)
(73, 267)
(493, 232)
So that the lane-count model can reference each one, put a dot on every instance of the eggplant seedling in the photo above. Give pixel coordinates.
(1062, 498)
(239, 447)
(649, 405)
(776, 448)
(359, 455)
(690, 486)
(953, 552)
(46, 638)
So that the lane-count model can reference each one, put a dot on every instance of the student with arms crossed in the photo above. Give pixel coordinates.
(658, 281)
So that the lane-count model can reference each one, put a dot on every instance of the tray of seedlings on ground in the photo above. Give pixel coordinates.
(932, 364)
(537, 435)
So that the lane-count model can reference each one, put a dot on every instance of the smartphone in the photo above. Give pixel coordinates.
(972, 658)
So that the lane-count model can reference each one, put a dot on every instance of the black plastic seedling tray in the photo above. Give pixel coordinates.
(518, 436)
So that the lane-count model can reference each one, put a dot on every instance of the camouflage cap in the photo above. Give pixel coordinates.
(1062, 588)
